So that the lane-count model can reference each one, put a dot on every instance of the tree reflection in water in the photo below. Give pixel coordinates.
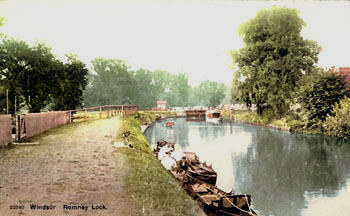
(278, 169)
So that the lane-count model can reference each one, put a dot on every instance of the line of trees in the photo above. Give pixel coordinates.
(277, 70)
(112, 82)
(32, 78)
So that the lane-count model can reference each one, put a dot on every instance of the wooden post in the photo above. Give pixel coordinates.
(19, 128)
(122, 110)
(85, 114)
(100, 112)
(15, 105)
(108, 113)
(230, 115)
(7, 101)
(70, 116)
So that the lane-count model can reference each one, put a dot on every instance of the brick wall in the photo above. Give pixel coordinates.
(36, 123)
(5, 129)
(343, 71)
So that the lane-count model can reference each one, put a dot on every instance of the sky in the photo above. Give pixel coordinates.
(190, 36)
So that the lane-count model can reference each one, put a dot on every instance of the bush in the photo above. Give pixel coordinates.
(338, 123)
(317, 94)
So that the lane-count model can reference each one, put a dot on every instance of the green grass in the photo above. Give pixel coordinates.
(148, 117)
(79, 116)
(133, 124)
(154, 191)
(252, 117)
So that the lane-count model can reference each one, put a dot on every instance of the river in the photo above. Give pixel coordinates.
(286, 174)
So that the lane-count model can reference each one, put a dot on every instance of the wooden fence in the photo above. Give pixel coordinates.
(102, 111)
(5, 129)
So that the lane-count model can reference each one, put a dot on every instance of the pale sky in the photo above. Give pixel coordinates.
(178, 36)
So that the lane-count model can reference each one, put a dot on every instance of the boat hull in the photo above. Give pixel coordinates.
(169, 124)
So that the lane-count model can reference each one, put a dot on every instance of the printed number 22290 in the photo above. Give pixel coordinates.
(16, 207)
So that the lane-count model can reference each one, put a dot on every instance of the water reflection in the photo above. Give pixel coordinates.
(285, 174)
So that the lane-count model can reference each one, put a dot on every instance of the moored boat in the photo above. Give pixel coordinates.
(202, 172)
(198, 180)
(170, 123)
(213, 116)
(216, 201)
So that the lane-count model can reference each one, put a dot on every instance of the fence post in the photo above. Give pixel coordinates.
(70, 116)
(19, 128)
(108, 113)
(100, 112)
(7, 101)
(14, 112)
(85, 114)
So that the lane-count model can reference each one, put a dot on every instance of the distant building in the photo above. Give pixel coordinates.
(344, 72)
(161, 106)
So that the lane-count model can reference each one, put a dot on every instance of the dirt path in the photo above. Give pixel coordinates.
(75, 165)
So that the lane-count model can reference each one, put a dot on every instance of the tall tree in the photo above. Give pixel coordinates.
(109, 83)
(177, 90)
(27, 73)
(212, 93)
(35, 78)
(72, 80)
(273, 58)
(145, 94)
(208, 93)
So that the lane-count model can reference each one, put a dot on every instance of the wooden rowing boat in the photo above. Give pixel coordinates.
(202, 172)
(198, 180)
(214, 200)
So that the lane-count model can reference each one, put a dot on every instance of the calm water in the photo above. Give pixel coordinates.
(286, 174)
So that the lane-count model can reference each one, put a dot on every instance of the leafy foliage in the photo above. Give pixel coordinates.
(114, 83)
(68, 95)
(273, 58)
(317, 94)
(27, 72)
(35, 78)
(338, 121)
(177, 90)
(208, 93)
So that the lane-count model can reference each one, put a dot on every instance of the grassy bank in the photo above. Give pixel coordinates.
(154, 191)
(283, 123)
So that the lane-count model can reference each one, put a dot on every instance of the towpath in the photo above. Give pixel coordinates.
(75, 165)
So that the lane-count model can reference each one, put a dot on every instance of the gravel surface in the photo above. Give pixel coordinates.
(75, 165)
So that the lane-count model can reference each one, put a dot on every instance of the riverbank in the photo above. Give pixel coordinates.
(288, 122)
(249, 117)
(153, 190)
